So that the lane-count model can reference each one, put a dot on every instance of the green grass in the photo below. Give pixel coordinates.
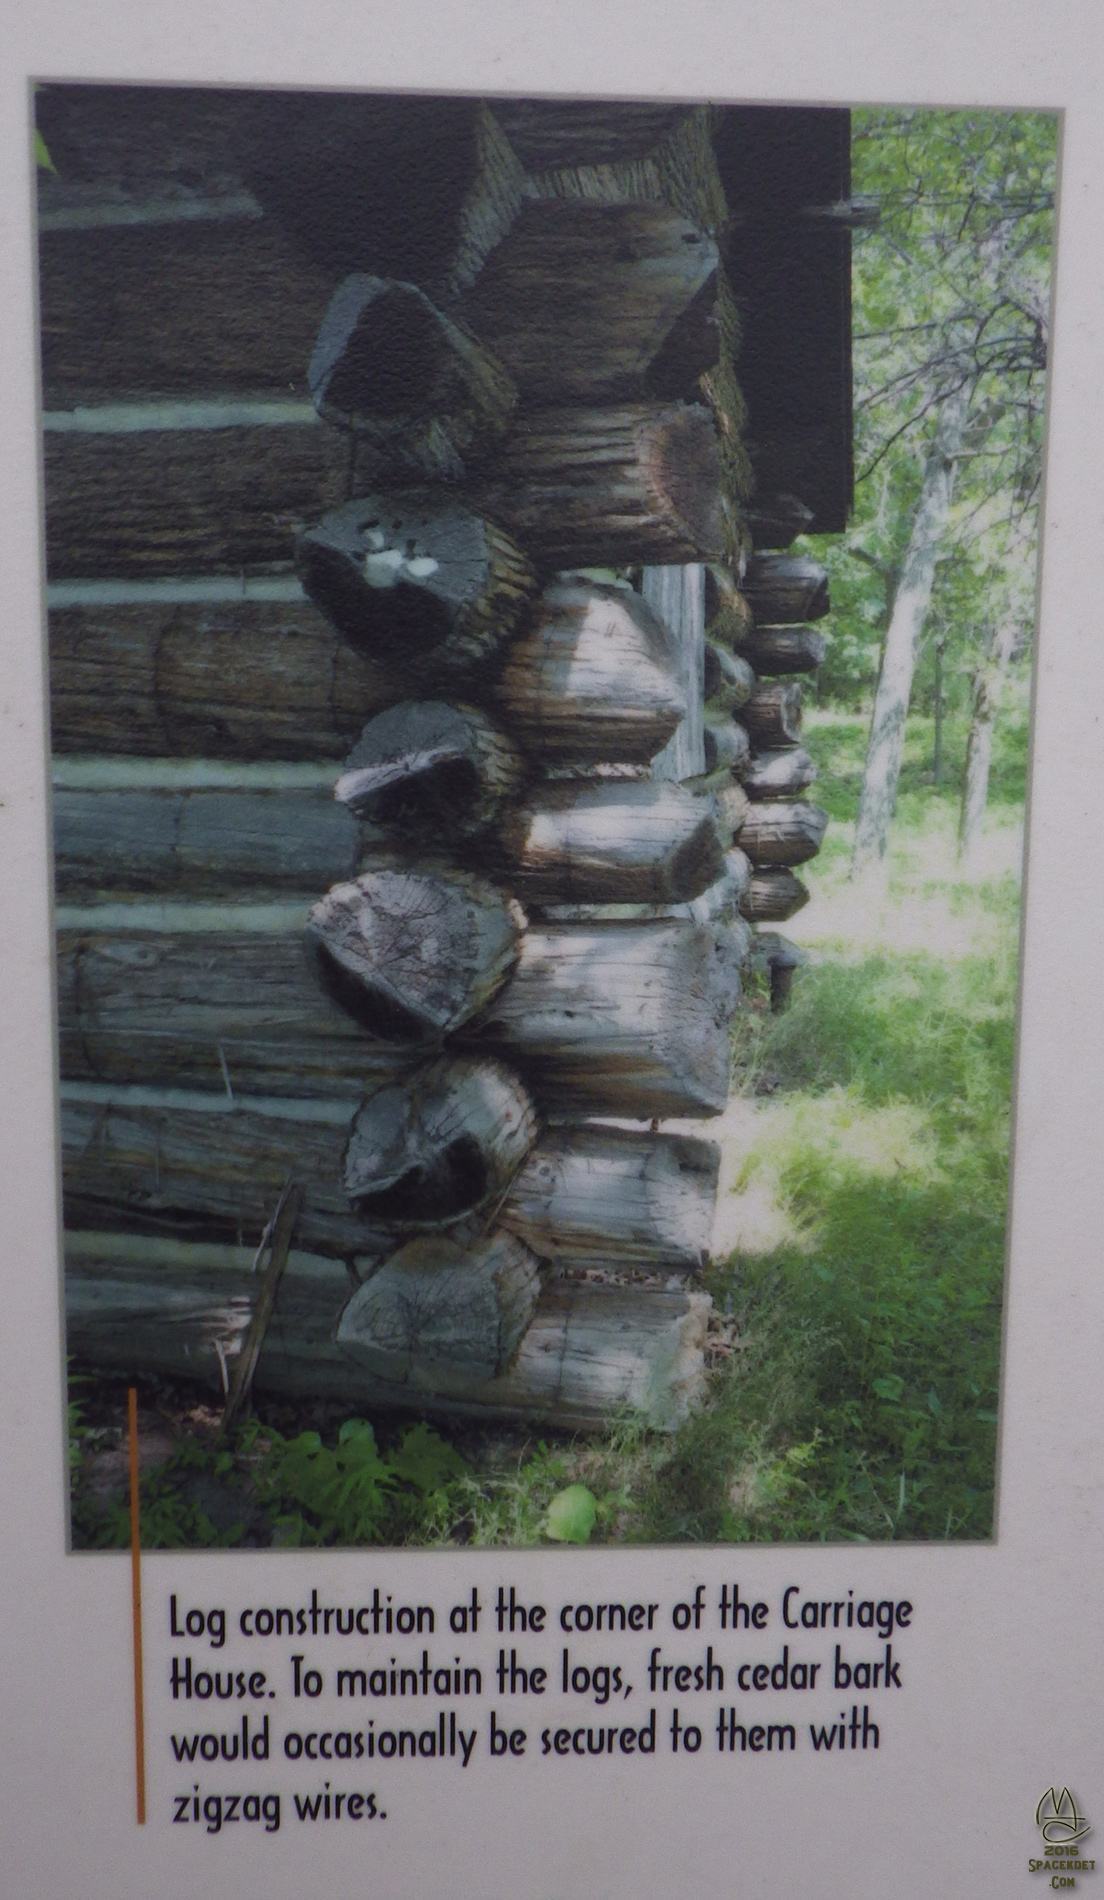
(856, 1344)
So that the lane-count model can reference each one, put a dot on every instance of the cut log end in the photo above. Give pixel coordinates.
(437, 1315)
(430, 772)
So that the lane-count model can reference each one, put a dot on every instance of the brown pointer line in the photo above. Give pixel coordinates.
(136, 1606)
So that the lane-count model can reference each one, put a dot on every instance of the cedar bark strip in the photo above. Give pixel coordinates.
(443, 1145)
(579, 299)
(781, 773)
(772, 716)
(729, 680)
(246, 680)
(620, 1019)
(780, 650)
(194, 1172)
(204, 1008)
(438, 1317)
(415, 387)
(778, 833)
(608, 487)
(608, 1198)
(593, 678)
(773, 895)
(186, 501)
(612, 842)
(590, 1352)
(412, 955)
(200, 842)
(430, 771)
(783, 589)
(415, 580)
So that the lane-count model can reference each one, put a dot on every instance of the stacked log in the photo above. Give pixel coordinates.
(526, 902)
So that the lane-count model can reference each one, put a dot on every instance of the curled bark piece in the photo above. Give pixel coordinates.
(593, 678)
(430, 771)
(729, 680)
(437, 1315)
(605, 1197)
(407, 380)
(414, 580)
(609, 487)
(443, 1145)
(620, 1019)
(774, 650)
(775, 832)
(773, 895)
(783, 589)
(772, 715)
(782, 773)
(612, 842)
(412, 955)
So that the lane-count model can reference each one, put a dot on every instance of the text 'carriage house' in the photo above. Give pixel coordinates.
(426, 656)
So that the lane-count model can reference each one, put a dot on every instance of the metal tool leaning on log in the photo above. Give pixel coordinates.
(531, 918)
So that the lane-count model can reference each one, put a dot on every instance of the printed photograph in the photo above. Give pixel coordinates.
(541, 606)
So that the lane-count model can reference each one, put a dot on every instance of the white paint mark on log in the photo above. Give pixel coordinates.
(335, 1114)
(198, 1256)
(142, 418)
(114, 774)
(276, 919)
(203, 590)
(102, 216)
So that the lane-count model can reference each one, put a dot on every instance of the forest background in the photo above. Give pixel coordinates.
(859, 1278)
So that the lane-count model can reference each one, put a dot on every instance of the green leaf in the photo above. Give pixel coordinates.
(42, 156)
(424, 1460)
(891, 1388)
(570, 1516)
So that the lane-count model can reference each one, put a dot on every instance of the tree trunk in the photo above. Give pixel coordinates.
(620, 1019)
(775, 650)
(593, 679)
(988, 679)
(610, 842)
(778, 833)
(431, 772)
(204, 996)
(412, 955)
(773, 895)
(443, 1144)
(419, 391)
(419, 583)
(212, 843)
(778, 774)
(885, 747)
(603, 1198)
(594, 487)
(233, 679)
(579, 299)
(441, 1317)
(590, 1354)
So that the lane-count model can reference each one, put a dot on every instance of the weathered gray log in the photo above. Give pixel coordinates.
(234, 680)
(430, 772)
(729, 680)
(417, 388)
(776, 521)
(610, 842)
(438, 1317)
(620, 1019)
(590, 1352)
(728, 615)
(416, 581)
(727, 747)
(207, 997)
(602, 487)
(579, 300)
(592, 678)
(164, 501)
(412, 955)
(609, 1198)
(773, 895)
(778, 774)
(548, 134)
(211, 1169)
(680, 170)
(718, 904)
(783, 589)
(774, 650)
(732, 806)
(776, 832)
(441, 1145)
(200, 842)
(772, 715)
